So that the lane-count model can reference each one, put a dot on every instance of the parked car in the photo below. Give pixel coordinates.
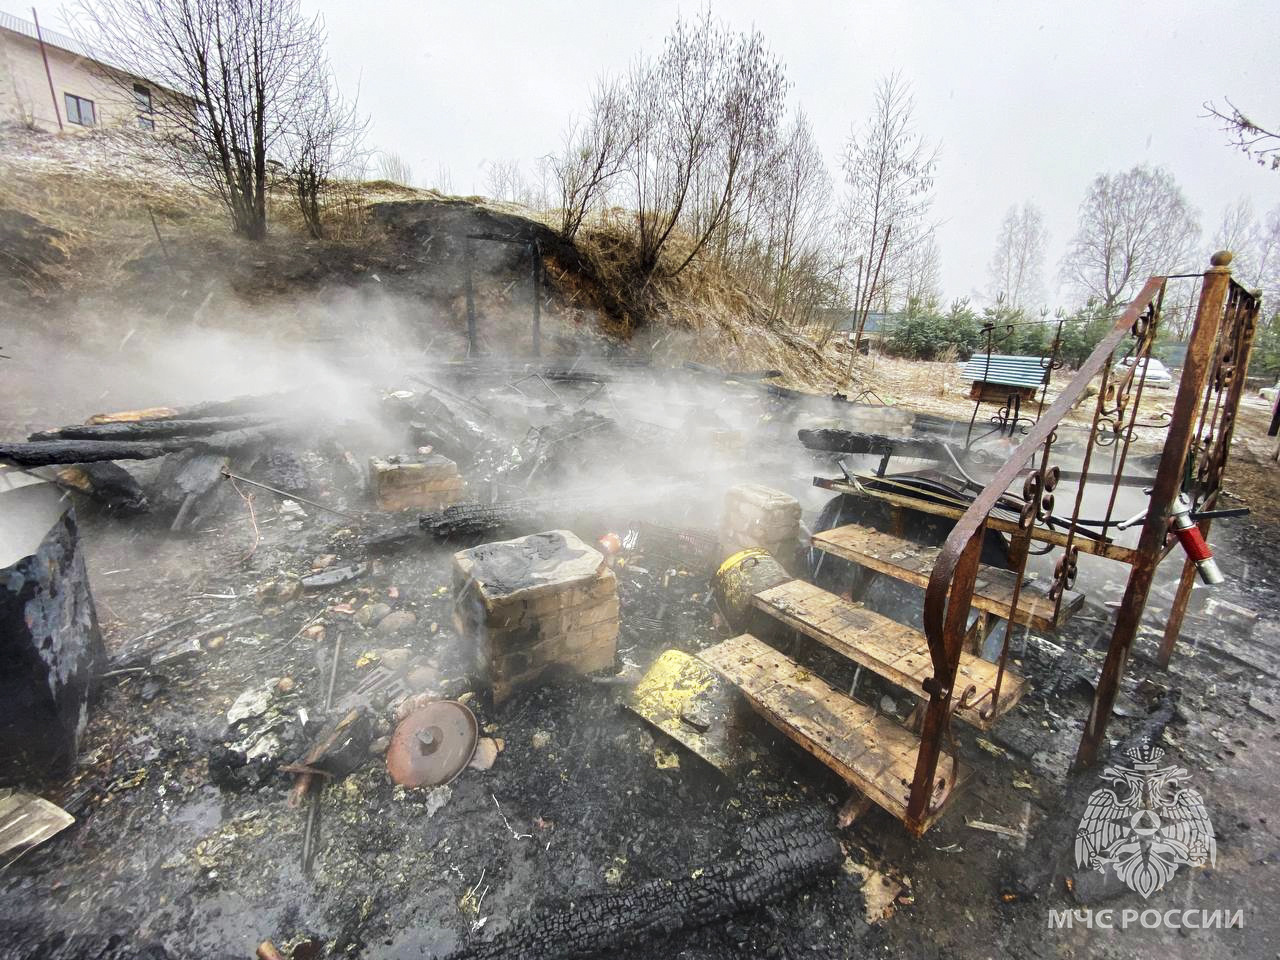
(1155, 373)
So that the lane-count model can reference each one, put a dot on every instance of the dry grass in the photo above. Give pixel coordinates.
(98, 191)
(702, 314)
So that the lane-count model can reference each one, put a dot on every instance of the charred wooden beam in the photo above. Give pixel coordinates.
(187, 480)
(49, 452)
(50, 645)
(852, 441)
(779, 857)
(106, 482)
(209, 408)
(150, 429)
(80, 451)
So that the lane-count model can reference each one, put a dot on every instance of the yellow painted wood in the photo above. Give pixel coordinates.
(867, 749)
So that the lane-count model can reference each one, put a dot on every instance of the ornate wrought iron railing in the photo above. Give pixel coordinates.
(1201, 420)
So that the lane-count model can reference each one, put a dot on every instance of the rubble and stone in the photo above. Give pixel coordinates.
(541, 601)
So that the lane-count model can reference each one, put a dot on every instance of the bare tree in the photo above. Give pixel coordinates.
(1253, 140)
(672, 129)
(1239, 232)
(1266, 265)
(594, 152)
(1132, 225)
(233, 75)
(703, 116)
(888, 171)
(918, 276)
(1255, 244)
(797, 227)
(1017, 267)
(726, 195)
(321, 143)
(395, 168)
(503, 180)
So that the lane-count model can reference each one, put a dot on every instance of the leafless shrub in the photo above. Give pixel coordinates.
(234, 75)
(319, 144)
(703, 118)
(395, 168)
(594, 152)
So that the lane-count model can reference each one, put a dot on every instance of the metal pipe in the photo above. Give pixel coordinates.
(467, 254)
(57, 114)
(228, 475)
(535, 250)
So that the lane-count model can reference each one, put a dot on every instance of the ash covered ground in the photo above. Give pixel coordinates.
(185, 842)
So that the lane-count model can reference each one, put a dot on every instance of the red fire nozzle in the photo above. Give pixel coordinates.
(1193, 542)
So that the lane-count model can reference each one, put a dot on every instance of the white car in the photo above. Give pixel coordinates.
(1155, 373)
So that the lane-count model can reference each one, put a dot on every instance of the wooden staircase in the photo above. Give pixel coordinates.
(872, 752)
(883, 646)
(869, 750)
(913, 563)
(912, 773)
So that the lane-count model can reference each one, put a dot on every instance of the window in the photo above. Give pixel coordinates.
(146, 112)
(79, 110)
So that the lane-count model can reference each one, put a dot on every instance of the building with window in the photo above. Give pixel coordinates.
(75, 90)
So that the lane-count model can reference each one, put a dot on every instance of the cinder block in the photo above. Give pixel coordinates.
(416, 482)
(533, 603)
(760, 516)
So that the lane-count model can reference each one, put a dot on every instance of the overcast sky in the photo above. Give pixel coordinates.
(1029, 100)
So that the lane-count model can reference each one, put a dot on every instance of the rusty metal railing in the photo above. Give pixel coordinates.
(1115, 422)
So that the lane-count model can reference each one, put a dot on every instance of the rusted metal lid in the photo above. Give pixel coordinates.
(432, 745)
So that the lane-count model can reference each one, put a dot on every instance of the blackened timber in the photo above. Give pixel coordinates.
(49, 452)
(150, 429)
(777, 858)
(80, 451)
(106, 482)
(851, 441)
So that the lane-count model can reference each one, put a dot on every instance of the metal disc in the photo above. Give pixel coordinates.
(433, 744)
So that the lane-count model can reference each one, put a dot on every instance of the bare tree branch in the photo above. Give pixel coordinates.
(1255, 141)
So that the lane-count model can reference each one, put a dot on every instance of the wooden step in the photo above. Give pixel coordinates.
(867, 749)
(910, 562)
(884, 646)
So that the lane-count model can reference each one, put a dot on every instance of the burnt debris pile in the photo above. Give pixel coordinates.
(454, 634)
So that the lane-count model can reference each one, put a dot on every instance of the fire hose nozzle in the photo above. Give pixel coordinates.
(1193, 542)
